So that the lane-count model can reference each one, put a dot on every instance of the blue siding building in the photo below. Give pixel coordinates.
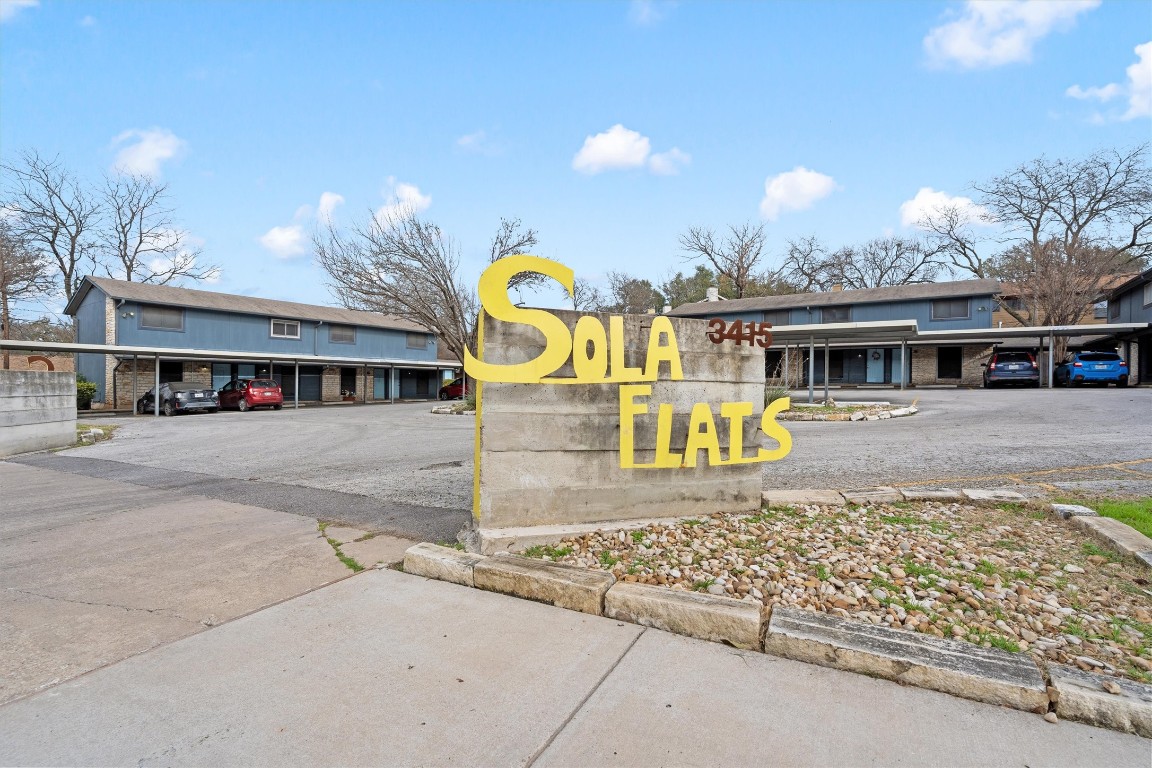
(952, 306)
(341, 353)
(1131, 302)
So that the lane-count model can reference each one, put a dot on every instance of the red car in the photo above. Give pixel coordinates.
(452, 390)
(251, 393)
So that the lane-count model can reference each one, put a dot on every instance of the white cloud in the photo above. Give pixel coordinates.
(145, 150)
(10, 8)
(1096, 93)
(929, 202)
(285, 242)
(991, 33)
(1138, 89)
(645, 13)
(472, 140)
(88, 21)
(1140, 83)
(668, 163)
(328, 203)
(613, 149)
(794, 190)
(402, 199)
(292, 240)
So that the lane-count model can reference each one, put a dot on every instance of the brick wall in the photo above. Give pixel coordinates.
(925, 366)
(330, 385)
(109, 360)
(23, 362)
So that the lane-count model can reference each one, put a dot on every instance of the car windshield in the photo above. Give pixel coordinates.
(1099, 357)
(184, 386)
(1013, 357)
(269, 383)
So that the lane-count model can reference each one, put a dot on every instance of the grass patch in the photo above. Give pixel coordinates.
(823, 573)
(83, 429)
(1134, 512)
(350, 562)
(702, 585)
(539, 551)
(1093, 550)
(637, 536)
(607, 559)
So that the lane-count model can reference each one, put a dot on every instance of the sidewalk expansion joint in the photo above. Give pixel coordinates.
(580, 705)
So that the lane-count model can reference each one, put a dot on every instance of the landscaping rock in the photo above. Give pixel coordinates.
(940, 494)
(719, 619)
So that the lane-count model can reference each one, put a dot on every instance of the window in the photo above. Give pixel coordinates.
(950, 309)
(1148, 295)
(1100, 310)
(1113, 310)
(342, 334)
(777, 317)
(1014, 302)
(285, 329)
(836, 315)
(161, 318)
(417, 341)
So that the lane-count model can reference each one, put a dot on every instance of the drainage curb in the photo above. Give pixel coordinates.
(987, 675)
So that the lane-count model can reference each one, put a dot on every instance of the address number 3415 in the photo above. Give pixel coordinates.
(756, 334)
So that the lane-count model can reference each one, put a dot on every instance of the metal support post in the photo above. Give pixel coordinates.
(786, 365)
(296, 387)
(903, 362)
(156, 391)
(811, 369)
(1051, 358)
(135, 388)
(825, 370)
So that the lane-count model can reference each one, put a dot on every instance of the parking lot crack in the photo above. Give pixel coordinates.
(128, 608)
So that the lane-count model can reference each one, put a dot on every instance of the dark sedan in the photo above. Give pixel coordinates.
(180, 397)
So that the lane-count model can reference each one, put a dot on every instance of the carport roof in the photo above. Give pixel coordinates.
(167, 353)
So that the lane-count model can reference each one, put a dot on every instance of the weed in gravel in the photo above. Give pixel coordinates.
(1009, 544)
(607, 559)
(1089, 549)
(548, 551)
(692, 522)
(822, 572)
(901, 520)
(986, 568)
(637, 536)
(703, 584)
(1018, 509)
(918, 571)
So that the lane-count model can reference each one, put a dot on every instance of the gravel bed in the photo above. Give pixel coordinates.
(1008, 576)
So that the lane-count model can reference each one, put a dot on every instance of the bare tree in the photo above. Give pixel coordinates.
(140, 241)
(406, 266)
(877, 263)
(52, 213)
(586, 297)
(630, 295)
(24, 273)
(735, 256)
(1066, 227)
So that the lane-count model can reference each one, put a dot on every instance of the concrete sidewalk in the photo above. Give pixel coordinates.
(386, 668)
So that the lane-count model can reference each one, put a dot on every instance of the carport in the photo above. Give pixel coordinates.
(159, 354)
(908, 334)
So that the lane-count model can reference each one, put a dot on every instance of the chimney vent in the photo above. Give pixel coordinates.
(712, 294)
(837, 288)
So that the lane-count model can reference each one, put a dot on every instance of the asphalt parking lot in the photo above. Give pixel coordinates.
(399, 469)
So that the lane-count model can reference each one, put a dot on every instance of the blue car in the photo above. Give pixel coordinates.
(1102, 368)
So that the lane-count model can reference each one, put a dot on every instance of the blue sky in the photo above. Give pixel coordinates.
(609, 127)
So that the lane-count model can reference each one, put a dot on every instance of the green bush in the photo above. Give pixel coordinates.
(85, 391)
(774, 393)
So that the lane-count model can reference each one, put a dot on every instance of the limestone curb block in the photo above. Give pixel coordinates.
(564, 586)
(1117, 536)
(941, 494)
(879, 495)
(857, 416)
(1081, 697)
(995, 494)
(493, 540)
(443, 563)
(772, 498)
(961, 669)
(1072, 510)
(707, 617)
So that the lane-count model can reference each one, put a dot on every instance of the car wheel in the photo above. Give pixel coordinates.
(1122, 383)
(213, 410)
(443, 395)
(277, 407)
(169, 410)
(242, 405)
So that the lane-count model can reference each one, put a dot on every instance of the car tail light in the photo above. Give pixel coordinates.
(991, 366)
(1077, 365)
(1123, 364)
